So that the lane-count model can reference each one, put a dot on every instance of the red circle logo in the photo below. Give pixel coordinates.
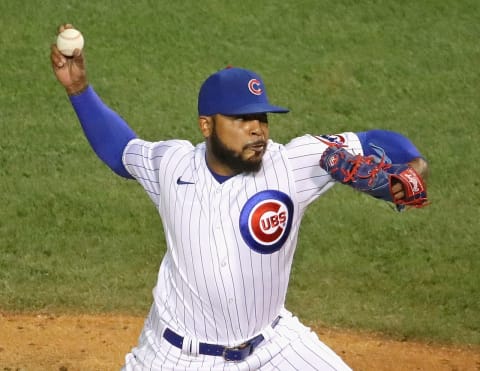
(267, 222)
(254, 86)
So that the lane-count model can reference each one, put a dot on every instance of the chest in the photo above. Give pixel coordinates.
(252, 211)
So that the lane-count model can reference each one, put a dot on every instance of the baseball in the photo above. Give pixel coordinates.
(69, 40)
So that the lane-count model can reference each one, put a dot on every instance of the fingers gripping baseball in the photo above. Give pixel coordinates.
(399, 184)
(69, 70)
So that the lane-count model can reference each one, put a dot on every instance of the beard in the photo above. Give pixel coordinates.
(231, 158)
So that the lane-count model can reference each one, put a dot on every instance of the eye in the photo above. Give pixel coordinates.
(261, 117)
(241, 118)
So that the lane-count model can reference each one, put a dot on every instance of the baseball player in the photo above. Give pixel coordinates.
(231, 209)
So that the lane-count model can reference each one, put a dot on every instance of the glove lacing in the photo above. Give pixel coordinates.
(357, 162)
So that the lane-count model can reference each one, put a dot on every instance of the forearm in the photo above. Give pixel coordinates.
(397, 148)
(397, 183)
(106, 131)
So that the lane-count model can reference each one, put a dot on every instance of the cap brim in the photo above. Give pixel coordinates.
(256, 108)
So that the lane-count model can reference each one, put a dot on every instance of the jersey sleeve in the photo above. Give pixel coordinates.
(397, 148)
(143, 161)
(105, 130)
(304, 154)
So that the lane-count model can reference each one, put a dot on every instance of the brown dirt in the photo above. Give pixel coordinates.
(87, 342)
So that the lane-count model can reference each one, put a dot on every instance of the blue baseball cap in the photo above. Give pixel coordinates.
(234, 91)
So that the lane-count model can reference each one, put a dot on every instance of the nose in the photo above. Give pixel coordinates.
(257, 128)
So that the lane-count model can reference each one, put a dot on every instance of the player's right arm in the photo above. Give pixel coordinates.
(107, 133)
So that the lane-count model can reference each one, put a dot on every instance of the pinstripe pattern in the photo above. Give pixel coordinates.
(289, 346)
(212, 287)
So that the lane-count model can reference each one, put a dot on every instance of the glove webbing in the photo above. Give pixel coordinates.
(357, 161)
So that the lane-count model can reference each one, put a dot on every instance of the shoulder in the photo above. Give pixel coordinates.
(136, 145)
(316, 144)
(140, 153)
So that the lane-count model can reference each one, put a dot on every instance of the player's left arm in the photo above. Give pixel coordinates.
(398, 149)
(391, 168)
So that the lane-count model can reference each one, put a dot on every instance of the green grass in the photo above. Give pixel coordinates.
(75, 238)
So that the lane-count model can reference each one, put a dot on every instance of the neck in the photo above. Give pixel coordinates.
(220, 178)
(217, 166)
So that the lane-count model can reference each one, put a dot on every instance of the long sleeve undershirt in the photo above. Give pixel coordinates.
(108, 135)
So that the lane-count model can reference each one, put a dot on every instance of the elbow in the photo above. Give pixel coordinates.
(114, 162)
(120, 170)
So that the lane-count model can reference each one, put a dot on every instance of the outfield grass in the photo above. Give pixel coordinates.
(73, 237)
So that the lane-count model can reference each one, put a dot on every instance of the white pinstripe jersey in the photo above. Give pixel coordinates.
(230, 246)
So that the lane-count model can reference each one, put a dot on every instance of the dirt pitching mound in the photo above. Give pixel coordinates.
(88, 342)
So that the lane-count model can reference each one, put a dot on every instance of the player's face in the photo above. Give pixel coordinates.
(239, 142)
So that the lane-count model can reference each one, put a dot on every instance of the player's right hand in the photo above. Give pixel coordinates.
(69, 71)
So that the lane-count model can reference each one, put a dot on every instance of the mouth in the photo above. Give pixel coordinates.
(257, 147)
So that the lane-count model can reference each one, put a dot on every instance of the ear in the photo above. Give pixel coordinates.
(205, 124)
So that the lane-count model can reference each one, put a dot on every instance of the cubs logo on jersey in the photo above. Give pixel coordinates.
(266, 220)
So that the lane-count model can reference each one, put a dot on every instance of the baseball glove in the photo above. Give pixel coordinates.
(375, 178)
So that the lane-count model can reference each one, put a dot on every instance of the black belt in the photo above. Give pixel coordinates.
(238, 353)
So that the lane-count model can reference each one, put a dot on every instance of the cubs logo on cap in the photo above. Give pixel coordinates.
(234, 91)
(254, 86)
(266, 220)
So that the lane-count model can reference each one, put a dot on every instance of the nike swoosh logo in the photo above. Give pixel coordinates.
(183, 182)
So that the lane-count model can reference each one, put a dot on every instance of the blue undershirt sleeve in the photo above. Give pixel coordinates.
(107, 133)
(398, 148)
